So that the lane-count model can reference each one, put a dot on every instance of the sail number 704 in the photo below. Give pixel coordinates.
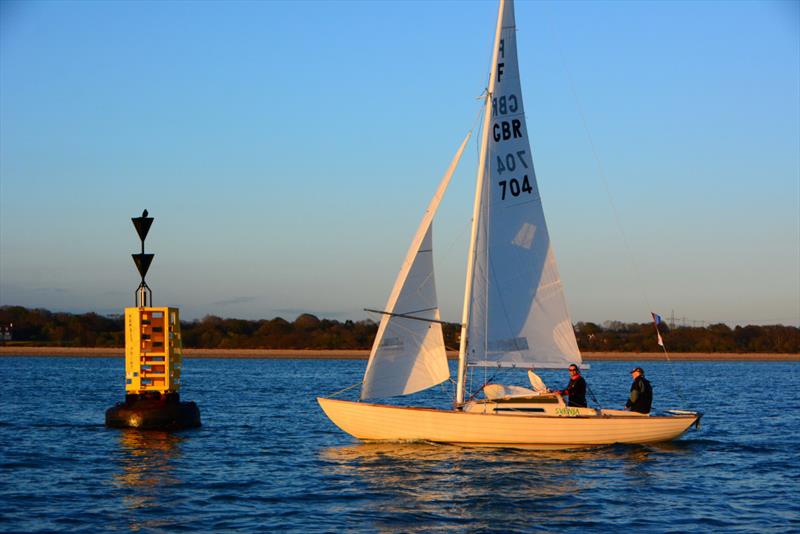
(515, 187)
(509, 162)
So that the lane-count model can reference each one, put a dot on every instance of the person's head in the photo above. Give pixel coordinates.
(573, 370)
(637, 372)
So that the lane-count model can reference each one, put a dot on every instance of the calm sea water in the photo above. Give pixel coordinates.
(267, 459)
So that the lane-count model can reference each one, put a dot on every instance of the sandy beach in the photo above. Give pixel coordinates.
(93, 352)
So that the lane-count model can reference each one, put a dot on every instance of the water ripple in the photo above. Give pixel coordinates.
(267, 459)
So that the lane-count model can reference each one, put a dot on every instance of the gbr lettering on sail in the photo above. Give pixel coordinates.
(509, 147)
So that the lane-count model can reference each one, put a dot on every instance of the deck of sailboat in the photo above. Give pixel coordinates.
(377, 422)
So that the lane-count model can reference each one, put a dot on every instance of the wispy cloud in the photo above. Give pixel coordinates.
(50, 290)
(116, 293)
(234, 300)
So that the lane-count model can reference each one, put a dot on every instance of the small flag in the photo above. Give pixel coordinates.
(657, 321)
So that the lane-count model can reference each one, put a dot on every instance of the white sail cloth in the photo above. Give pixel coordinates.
(518, 315)
(408, 354)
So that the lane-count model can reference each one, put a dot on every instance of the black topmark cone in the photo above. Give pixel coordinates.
(142, 225)
(142, 262)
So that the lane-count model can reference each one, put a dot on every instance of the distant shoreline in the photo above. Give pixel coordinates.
(285, 354)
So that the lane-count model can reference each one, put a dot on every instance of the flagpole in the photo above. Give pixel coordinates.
(656, 320)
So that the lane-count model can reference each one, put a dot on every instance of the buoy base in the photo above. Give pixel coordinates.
(153, 411)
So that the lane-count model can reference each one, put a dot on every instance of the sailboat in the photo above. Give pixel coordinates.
(514, 316)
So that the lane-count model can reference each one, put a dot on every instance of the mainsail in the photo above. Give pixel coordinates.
(408, 354)
(517, 314)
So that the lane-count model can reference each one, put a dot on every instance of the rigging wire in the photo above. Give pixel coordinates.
(485, 383)
(633, 265)
(594, 398)
(345, 389)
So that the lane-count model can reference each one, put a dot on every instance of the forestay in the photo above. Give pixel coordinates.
(518, 314)
(408, 354)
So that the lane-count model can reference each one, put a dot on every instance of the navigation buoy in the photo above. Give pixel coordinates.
(153, 358)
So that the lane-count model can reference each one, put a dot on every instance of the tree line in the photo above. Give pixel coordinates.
(43, 327)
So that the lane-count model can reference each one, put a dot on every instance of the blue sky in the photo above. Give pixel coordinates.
(288, 149)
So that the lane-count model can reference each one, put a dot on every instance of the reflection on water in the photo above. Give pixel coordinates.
(478, 486)
(147, 457)
(147, 460)
(255, 468)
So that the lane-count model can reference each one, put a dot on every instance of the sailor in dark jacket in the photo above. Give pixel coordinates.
(576, 389)
(641, 393)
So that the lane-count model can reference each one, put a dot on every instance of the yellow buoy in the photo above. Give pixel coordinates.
(153, 358)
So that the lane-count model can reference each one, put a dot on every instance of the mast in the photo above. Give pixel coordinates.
(487, 116)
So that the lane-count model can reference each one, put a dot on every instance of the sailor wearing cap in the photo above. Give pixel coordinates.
(641, 393)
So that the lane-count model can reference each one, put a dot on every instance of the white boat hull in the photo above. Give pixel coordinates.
(375, 422)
